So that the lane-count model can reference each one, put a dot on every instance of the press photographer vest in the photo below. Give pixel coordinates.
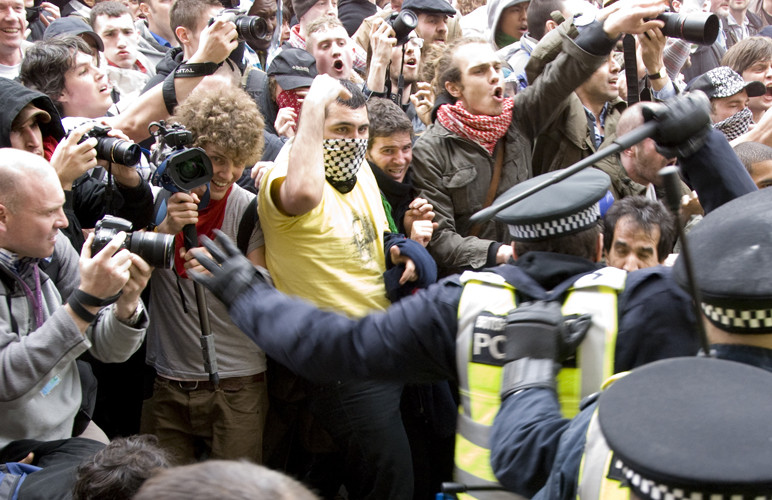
(485, 301)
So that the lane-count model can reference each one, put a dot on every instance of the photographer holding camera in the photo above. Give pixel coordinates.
(225, 122)
(90, 304)
(30, 122)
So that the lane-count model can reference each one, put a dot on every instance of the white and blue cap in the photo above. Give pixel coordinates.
(564, 208)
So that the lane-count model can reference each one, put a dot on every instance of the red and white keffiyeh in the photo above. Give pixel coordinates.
(483, 129)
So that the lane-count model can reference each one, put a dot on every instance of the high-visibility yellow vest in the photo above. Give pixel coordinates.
(485, 302)
(600, 478)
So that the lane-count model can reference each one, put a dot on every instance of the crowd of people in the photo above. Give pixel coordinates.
(335, 250)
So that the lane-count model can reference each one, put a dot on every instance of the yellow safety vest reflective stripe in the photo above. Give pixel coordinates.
(483, 307)
(596, 480)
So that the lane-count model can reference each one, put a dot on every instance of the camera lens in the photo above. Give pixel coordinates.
(403, 23)
(118, 151)
(156, 249)
(695, 27)
(251, 27)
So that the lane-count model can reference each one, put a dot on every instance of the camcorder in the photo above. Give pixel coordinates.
(249, 28)
(695, 27)
(180, 167)
(402, 22)
(113, 149)
(156, 249)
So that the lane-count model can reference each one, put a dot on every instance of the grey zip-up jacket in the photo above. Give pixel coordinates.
(40, 390)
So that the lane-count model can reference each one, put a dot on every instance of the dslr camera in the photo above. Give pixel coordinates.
(695, 27)
(180, 168)
(249, 28)
(155, 248)
(113, 149)
(402, 22)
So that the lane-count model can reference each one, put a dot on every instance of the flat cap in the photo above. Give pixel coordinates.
(691, 428)
(731, 250)
(433, 6)
(564, 208)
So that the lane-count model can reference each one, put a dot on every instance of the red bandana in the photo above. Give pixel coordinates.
(482, 129)
(209, 218)
(289, 99)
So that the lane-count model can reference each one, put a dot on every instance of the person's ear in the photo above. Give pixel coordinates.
(182, 34)
(144, 8)
(550, 25)
(599, 250)
(454, 89)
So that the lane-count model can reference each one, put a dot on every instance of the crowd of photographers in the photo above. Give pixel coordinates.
(344, 147)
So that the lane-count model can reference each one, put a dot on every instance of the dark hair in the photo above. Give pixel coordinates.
(583, 244)
(748, 52)
(646, 214)
(386, 119)
(446, 69)
(539, 12)
(752, 152)
(187, 13)
(357, 99)
(118, 470)
(223, 479)
(47, 61)
(109, 9)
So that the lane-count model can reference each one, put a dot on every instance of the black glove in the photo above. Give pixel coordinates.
(683, 124)
(232, 273)
(539, 338)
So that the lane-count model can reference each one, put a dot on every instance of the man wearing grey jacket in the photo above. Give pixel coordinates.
(46, 322)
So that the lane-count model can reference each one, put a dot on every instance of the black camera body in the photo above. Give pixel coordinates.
(156, 249)
(695, 27)
(113, 149)
(180, 168)
(249, 28)
(402, 22)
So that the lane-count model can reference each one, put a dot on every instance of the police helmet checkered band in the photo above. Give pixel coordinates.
(737, 320)
(342, 158)
(558, 227)
(658, 491)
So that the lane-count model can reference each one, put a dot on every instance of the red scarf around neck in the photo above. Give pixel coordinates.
(482, 129)
(209, 218)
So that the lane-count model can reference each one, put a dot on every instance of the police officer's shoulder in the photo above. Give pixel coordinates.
(691, 428)
(564, 208)
(732, 260)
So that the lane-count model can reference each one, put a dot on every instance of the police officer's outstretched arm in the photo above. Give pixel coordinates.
(414, 340)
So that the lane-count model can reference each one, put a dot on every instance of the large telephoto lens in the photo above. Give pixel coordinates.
(695, 27)
(156, 248)
(251, 27)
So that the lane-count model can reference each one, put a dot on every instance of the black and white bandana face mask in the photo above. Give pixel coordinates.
(736, 125)
(342, 159)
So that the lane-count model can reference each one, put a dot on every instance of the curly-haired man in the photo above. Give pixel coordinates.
(190, 416)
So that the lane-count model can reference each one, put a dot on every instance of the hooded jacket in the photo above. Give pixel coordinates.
(85, 203)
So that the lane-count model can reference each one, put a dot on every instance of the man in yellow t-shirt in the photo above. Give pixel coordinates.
(324, 224)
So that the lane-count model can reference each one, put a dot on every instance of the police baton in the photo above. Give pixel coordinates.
(688, 126)
(671, 179)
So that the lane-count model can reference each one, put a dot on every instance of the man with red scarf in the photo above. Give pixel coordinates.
(480, 144)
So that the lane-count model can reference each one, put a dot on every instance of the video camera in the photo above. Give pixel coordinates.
(180, 168)
(157, 249)
(249, 28)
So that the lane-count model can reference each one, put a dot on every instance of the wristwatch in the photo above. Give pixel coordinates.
(658, 75)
